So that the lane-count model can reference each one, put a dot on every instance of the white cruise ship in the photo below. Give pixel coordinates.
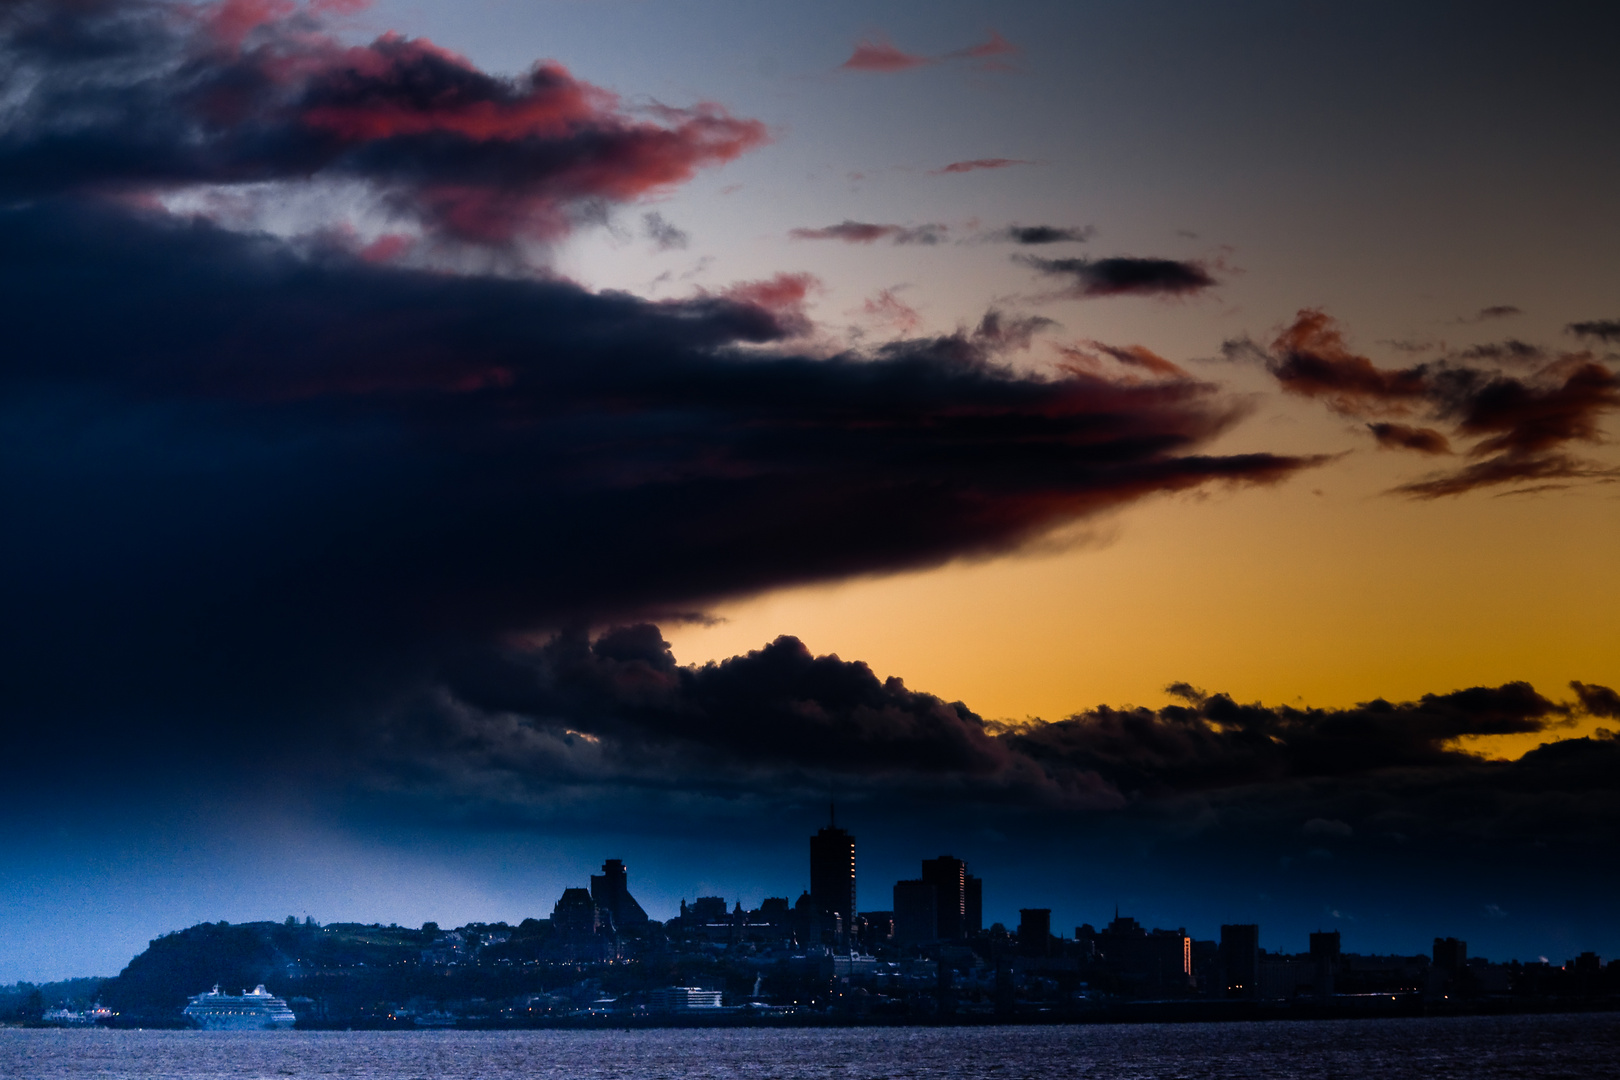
(251, 1010)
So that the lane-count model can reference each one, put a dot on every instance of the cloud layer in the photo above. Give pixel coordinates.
(776, 727)
(1124, 275)
(1521, 424)
(865, 232)
(879, 55)
(304, 464)
(138, 98)
(291, 478)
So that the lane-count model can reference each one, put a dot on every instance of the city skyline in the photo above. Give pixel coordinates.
(1155, 454)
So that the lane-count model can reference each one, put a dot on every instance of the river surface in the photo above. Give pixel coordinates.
(1530, 1047)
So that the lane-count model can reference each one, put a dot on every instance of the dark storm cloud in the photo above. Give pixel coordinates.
(1606, 330)
(778, 708)
(617, 714)
(132, 97)
(267, 480)
(1521, 424)
(1043, 234)
(1124, 276)
(1214, 742)
(865, 232)
(236, 474)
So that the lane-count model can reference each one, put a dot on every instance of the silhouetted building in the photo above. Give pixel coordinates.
(879, 929)
(611, 891)
(916, 913)
(807, 921)
(775, 911)
(1150, 963)
(1206, 962)
(1450, 955)
(832, 874)
(574, 915)
(1325, 961)
(973, 905)
(948, 876)
(704, 911)
(1035, 931)
(1240, 959)
(1285, 977)
(1085, 942)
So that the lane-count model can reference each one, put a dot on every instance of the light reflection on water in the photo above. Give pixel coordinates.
(1543, 1047)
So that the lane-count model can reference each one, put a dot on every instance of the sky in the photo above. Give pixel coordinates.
(1161, 454)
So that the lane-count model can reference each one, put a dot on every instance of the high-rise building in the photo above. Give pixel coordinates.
(1450, 954)
(1240, 959)
(611, 891)
(1148, 962)
(806, 921)
(973, 906)
(776, 911)
(948, 876)
(832, 873)
(1325, 961)
(916, 913)
(1034, 931)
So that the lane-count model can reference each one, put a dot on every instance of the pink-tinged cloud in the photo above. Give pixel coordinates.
(880, 56)
(850, 232)
(783, 296)
(1312, 360)
(268, 94)
(1522, 424)
(1420, 440)
(979, 163)
(992, 46)
(231, 21)
(1088, 358)
(386, 248)
(890, 311)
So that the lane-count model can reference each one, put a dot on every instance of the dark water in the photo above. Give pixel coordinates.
(1539, 1047)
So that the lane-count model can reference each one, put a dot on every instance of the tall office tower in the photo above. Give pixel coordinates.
(611, 891)
(948, 876)
(832, 873)
(916, 913)
(1324, 961)
(1450, 954)
(1240, 959)
(973, 906)
(1035, 931)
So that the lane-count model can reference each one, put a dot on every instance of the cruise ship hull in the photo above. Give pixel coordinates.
(242, 1021)
(255, 1010)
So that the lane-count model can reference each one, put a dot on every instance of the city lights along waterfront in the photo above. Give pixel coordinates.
(926, 959)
